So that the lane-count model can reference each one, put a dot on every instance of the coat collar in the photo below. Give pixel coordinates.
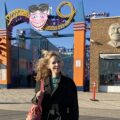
(48, 88)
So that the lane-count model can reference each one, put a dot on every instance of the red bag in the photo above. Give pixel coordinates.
(36, 110)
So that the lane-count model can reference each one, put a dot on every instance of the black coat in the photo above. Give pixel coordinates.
(62, 103)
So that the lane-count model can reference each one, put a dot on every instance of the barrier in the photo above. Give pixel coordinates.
(94, 91)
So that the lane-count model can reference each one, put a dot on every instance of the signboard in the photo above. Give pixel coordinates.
(78, 63)
(38, 16)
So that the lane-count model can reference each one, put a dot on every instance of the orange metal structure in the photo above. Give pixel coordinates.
(79, 58)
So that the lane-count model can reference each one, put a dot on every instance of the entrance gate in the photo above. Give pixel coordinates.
(19, 16)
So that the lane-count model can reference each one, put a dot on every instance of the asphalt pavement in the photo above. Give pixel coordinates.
(14, 104)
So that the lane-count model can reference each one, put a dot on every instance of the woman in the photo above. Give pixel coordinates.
(60, 97)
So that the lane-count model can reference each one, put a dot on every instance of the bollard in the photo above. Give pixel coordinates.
(94, 91)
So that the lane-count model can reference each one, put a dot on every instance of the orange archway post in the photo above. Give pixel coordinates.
(4, 59)
(79, 47)
(4, 49)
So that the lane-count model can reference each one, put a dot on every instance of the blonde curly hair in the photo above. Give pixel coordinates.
(41, 66)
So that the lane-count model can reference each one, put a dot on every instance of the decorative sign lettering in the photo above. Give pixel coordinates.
(16, 13)
(38, 16)
(69, 17)
(3, 49)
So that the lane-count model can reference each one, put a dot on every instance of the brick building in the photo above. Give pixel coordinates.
(104, 59)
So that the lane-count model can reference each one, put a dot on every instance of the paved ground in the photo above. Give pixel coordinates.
(14, 104)
(20, 115)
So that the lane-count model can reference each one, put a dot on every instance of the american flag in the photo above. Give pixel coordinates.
(79, 26)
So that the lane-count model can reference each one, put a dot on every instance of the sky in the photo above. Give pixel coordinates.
(110, 6)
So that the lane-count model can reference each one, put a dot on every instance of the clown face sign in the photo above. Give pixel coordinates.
(38, 15)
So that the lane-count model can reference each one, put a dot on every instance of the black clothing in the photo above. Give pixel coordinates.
(61, 103)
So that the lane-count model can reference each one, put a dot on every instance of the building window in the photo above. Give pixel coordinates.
(110, 70)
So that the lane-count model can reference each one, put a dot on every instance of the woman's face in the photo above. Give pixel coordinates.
(55, 65)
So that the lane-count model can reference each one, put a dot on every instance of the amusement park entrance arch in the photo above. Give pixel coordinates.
(18, 16)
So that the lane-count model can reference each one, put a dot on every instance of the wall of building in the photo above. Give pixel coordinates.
(99, 38)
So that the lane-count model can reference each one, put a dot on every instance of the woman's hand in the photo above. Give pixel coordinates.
(38, 94)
